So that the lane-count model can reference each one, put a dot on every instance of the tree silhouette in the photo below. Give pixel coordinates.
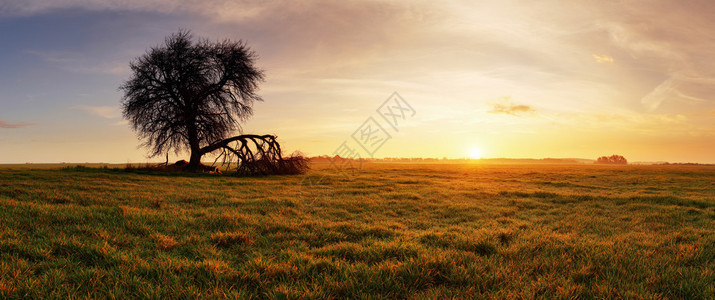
(190, 95)
(613, 159)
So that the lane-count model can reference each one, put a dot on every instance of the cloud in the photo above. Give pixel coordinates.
(7, 125)
(222, 10)
(641, 123)
(121, 123)
(507, 107)
(652, 100)
(34, 7)
(108, 112)
(673, 89)
(603, 58)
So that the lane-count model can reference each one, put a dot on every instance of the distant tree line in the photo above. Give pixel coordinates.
(613, 159)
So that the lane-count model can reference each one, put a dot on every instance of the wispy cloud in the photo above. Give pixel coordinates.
(108, 112)
(7, 125)
(223, 9)
(653, 99)
(121, 123)
(602, 58)
(641, 123)
(674, 88)
(507, 107)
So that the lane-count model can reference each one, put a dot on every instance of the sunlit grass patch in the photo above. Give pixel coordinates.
(164, 242)
(393, 231)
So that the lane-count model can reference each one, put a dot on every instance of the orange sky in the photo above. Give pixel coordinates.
(504, 78)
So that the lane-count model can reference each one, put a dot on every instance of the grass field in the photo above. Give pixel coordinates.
(391, 231)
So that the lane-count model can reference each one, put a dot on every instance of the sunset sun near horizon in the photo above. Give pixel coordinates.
(476, 153)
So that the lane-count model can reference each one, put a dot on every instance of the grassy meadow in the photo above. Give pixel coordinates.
(390, 231)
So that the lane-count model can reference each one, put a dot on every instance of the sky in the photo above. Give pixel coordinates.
(492, 79)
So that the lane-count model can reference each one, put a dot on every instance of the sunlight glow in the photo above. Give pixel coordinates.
(475, 153)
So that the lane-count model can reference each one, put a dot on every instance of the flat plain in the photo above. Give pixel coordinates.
(386, 231)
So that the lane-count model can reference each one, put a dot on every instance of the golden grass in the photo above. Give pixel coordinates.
(391, 231)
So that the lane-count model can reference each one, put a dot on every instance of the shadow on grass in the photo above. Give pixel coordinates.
(158, 172)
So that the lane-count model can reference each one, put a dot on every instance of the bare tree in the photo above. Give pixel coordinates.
(188, 95)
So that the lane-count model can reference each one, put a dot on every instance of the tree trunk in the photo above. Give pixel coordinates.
(195, 160)
(196, 153)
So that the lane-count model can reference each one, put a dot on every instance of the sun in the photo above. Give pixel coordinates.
(475, 153)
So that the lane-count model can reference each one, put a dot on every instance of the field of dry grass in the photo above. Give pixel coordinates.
(390, 231)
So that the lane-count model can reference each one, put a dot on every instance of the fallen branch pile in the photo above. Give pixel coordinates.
(251, 154)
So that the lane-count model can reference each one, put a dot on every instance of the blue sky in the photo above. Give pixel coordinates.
(59, 80)
(502, 78)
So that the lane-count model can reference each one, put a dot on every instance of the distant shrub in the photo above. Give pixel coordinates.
(613, 160)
